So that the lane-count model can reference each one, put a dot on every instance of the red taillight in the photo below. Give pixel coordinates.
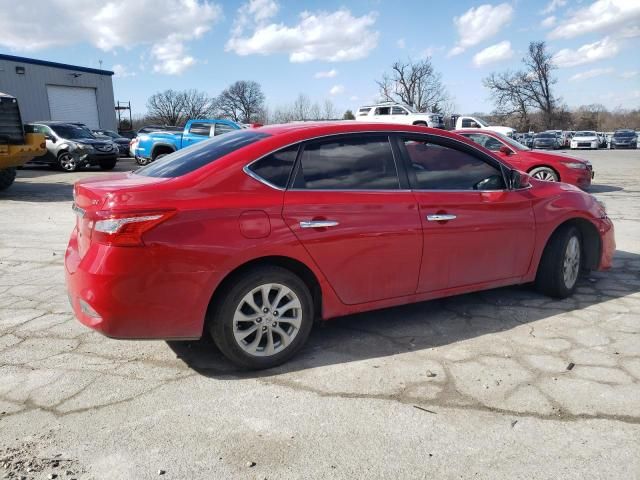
(126, 229)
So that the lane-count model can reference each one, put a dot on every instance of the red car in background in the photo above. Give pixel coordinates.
(551, 167)
(253, 235)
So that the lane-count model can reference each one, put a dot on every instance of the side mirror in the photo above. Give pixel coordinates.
(518, 180)
(506, 150)
(49, 137)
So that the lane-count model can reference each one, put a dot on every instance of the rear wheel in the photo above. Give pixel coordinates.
(263, 318)
(68, 162)
(421, 124)
(560, 264)
(7, 177)
(108, 164)
(544, 173)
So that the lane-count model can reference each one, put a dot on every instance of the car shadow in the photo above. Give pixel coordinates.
(423, 325)
(603, 188)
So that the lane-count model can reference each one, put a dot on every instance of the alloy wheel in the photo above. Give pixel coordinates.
(67, 162)
(571, 263)
(267, 319)
(545, 174)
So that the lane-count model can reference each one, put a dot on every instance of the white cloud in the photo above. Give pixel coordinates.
(329, 74)
(596, 72)
(479, 24)
(495, 53)
(548, 22)
(254, 13)
(591, 52)
(600, 16)
(336, 90)
(629, 74)
(107, 25)
(553, 5)
(400, 43)
(171, 58)
(121, 71)
(329, 36)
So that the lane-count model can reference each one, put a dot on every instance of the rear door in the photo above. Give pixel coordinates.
(475, 229)
(355, 216)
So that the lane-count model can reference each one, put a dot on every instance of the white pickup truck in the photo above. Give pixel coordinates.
(465, 122)
(391, 112)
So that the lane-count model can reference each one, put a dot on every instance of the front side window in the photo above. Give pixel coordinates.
(383, 111)
(202, 153)
(202, 129)
(399, 111)
(438, 167)
(351, 163)
(276, 167)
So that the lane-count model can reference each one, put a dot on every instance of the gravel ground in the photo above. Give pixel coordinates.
(503, 384)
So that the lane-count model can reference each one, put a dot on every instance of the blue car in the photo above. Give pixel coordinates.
(151, 146)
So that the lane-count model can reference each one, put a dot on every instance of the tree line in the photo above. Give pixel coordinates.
(524, 99)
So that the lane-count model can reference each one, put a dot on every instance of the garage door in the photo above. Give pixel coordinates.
(73, 104)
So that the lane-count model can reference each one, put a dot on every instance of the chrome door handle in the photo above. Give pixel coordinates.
(318, 224)
(441, 217)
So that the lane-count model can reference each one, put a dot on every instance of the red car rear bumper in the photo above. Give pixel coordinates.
(125, 292)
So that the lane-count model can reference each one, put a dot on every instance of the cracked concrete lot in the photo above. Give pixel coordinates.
(504, 384)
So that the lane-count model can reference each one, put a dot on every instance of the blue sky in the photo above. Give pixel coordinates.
(287, 46)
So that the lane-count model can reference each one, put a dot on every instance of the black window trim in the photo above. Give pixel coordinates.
(247, 168)
(449, 143)
(400, 168)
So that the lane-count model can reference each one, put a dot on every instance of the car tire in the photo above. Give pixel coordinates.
(560, 265)
(108, 164)
(143, 161)
(247, 343)
(68, 162)
(544, 173)
(421, 124)
(7, 177)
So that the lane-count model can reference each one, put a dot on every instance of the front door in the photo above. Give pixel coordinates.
(348, 209)
(475, 229)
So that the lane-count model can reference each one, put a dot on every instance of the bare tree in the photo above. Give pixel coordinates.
(242, 102)
(197, 104)
(413, 83)
(519, 93)
(301, 108)
(167, 106)
(329, 110)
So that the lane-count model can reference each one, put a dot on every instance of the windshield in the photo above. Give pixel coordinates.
(545, 135)
(624, 133)
(513, 143)
(411, 109)
(192, 158)
(482, 123)
(585, 134)
(109, 133)
(71, 132)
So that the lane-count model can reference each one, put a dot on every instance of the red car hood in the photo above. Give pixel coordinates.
(542, 156)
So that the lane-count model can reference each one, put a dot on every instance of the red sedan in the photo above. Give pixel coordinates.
(552, 167)
(253, 235)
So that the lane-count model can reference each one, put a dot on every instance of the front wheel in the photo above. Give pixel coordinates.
(7, 177)
(142, 161)
(544, 173)
(263, 318)
(560, 264)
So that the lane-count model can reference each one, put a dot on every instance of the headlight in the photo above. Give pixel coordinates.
(576, 165)
(602, 205)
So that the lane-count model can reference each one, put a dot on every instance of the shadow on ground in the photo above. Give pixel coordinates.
(425, 325)
(597, 188)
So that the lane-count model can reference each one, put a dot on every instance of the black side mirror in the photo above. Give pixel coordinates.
(49, 137)
(515, 179)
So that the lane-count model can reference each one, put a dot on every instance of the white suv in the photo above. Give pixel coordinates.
(390, 112)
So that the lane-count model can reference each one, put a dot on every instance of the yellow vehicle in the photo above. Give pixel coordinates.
(16, 148)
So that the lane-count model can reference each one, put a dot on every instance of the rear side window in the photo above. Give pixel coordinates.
(437, 167)
(364, 111)
(383, 111)
(486, 141)
(276, 167)
(355, 163)
(191, 158)
(223, 128)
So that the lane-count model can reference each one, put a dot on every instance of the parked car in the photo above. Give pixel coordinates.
(151, 146)
(71, 147)
(133, 144)
(547, 140)
(467, 122)
(624, 138)
(392, 112)
(551, 167)
(528, 139)
(252, 235)
(16, 146)
(585, 139)
(119, 140)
